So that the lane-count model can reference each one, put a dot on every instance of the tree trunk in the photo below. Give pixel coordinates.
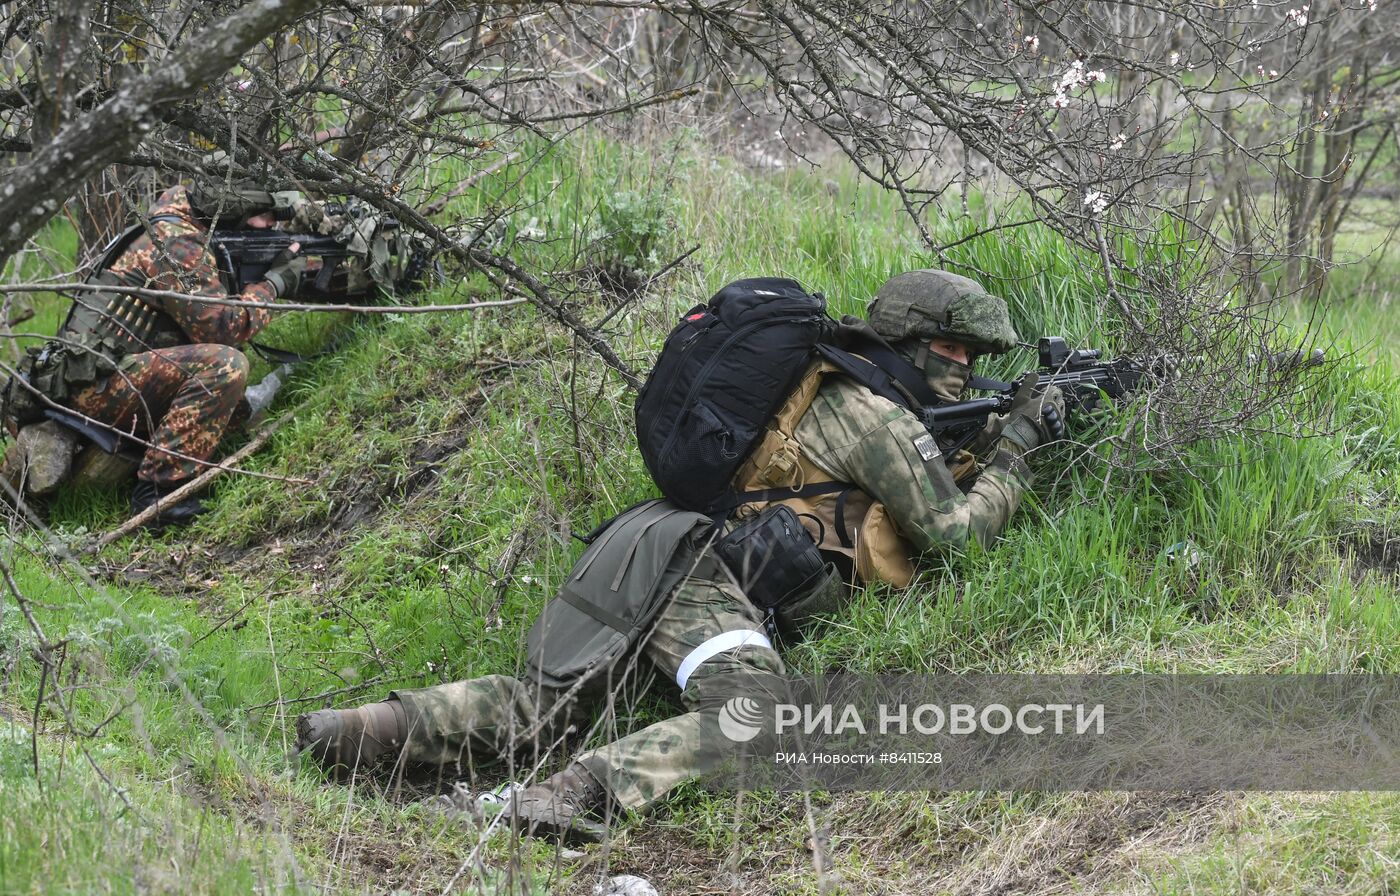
(1302, 204)
(34, 190)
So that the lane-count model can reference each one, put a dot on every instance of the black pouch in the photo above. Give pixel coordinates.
(773, 557)
(19, 406)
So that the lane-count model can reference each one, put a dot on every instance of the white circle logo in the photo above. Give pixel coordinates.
(741, 719)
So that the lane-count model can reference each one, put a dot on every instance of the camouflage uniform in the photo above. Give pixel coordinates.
(704, 634)
(182, 394)
(496, 716)
(859, 437)
(708, 639)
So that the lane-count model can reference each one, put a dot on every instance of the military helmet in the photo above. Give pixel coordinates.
(931, 304)
(233, 203)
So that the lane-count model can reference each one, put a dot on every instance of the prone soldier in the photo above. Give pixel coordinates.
(652, 587)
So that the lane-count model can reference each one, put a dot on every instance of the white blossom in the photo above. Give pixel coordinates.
(1033, 42)
(1297, 17)
(1175, 57)
(1096, 202)
(1073, 76)
(1118, 141)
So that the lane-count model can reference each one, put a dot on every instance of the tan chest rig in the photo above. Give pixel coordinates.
(877, 550)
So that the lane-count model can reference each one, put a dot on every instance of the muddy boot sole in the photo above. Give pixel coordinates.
(317, 734)
(320, 734)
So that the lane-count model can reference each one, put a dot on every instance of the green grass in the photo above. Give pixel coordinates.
(420, 459)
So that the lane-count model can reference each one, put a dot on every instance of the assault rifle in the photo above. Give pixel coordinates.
(1082, 376)
(245, 256)
(1079, 373)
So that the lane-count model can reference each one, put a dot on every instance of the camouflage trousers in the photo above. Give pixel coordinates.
(180, 399)
(706, 647)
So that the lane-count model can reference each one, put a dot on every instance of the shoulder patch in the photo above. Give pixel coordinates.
(926, 446)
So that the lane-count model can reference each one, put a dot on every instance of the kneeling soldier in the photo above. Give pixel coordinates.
(164, 368)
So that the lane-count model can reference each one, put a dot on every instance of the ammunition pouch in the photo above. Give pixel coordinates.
(825, 596)
(102, 328)
(19, 407)
(54, 370)
(773, 557)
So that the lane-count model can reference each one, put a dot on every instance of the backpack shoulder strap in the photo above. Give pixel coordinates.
(886, 380)
(777, 458)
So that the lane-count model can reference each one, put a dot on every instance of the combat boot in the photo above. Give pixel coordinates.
(182, 514)
(341, 740)
(555, 809)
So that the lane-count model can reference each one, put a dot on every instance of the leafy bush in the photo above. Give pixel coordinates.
(631, 232)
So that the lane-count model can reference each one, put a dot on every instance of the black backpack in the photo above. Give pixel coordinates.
(723, 373)
(727, 368)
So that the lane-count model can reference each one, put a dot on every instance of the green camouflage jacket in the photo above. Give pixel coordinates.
(861, 438)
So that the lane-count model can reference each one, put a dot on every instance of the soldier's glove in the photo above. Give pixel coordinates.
(285, 273)
(1037, 415)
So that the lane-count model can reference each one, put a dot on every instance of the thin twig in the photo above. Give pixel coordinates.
(437, 205)
(318, 698)
(266, 306)
(190, 487)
